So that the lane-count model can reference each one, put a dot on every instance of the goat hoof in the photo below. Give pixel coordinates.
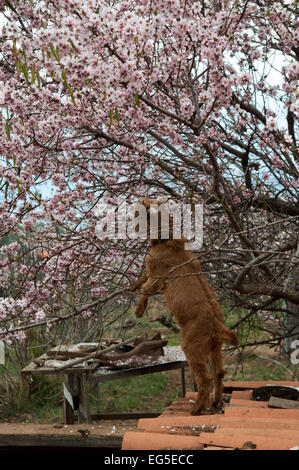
(217, 405)
(196, 410)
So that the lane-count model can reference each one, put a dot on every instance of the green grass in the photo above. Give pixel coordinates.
(255, 368)
(132, 394)
(44, 405)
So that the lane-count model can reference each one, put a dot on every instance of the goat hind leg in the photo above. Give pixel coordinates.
(203, 382)
(218, 374)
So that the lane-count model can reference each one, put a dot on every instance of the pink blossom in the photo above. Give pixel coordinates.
(99, 291)
(271, 123)
(187, 107)
(134, 98)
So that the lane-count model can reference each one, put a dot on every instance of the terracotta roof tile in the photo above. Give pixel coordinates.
(243, 394)
(154, 441)
(261, 413)
(217, 448)
(247, 440)
(245, 424)
(242, 402)
(258, 423)
(265, 432)
(182, 421)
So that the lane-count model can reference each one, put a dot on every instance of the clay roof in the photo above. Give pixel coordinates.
(245, 424)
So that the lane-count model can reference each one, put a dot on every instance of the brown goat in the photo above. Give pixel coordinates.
(176, 273)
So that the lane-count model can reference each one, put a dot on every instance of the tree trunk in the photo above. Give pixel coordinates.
(292, 319)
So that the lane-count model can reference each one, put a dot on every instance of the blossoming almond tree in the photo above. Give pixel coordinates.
(193, 100)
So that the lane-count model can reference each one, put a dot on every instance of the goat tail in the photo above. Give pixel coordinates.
(228, 336)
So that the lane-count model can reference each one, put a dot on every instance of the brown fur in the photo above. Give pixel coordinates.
(194, 305)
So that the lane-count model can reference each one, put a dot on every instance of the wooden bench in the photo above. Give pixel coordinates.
(77, 377)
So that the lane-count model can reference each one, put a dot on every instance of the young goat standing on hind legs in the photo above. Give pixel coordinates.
(176, 273)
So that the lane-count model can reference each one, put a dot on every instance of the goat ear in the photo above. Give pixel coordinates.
(145, 202)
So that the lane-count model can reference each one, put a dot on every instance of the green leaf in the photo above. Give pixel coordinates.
(18, 186)
(55, 52)
(73, 99)
(38, 78)
(73, 45)
(67, 85)
(25, 71)
(63, 75)
(137, 100)
(52, 48)
(7, 130)
(14, 47)
(71, 92)
(43, 24)
(32, 72)
(18, 66)
(117, 114)
(111, 117)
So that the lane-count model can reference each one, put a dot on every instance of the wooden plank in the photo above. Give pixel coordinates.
(125, 373)
(68, 412)
(83, 400)
(43, 440)
(73, 351)
(68, 394)
(34, 365)
(51, 371)
(110, 375)
(68, 401)
(276, 402)
(68, 354)
(30, 368)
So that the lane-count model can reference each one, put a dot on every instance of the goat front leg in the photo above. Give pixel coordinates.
(137, 284)
(142, 306)
(150, 287)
